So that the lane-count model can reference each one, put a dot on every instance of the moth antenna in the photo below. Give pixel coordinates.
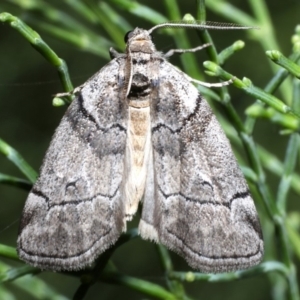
(194, 24)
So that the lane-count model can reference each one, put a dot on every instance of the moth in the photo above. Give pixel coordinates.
(139, 130)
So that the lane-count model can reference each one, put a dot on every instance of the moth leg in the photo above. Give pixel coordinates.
(71, 93)
(114, 53)
(207, 84)
(181, 51)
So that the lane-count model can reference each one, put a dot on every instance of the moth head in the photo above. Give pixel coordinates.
(139, 40)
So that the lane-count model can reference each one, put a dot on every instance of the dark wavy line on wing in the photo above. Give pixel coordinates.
(72, 202)
(161, 125)
(93, 120)
(214, 256)
(33, 254)
(239, 195)
(184, 121)
(195, 111)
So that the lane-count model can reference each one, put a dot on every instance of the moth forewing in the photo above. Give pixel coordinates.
(139, 128)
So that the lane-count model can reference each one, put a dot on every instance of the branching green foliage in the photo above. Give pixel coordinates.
(281, 226)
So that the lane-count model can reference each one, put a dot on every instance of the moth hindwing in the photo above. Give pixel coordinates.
(139, 129)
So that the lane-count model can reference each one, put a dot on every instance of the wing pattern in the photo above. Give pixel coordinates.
(75, 210)
(197, 202)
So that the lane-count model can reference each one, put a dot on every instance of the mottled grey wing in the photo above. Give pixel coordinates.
(197, 202)
(75, 210)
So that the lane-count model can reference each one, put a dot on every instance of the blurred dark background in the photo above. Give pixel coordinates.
(28, 120)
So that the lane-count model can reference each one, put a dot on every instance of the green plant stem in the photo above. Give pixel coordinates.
(18, 160)
(250, 89)
(141, 11)
(91, 276)
(15, 181)
(8, 252)
(265, 36)
(230, 12)
(143, 286)
(271, 87)
(15, 273)
(114, 30)
(267, 267)
(201, 10)
(31, 285)
(174, 285)
(188, 60)
(36, 41)
(289, 165)
(263, 19)
(95, 44)
(274, 165)
(293, 291)
(165, 258)
(284, 186)
(229, 51)
(255, 163)
(284, 62)
(204, 35)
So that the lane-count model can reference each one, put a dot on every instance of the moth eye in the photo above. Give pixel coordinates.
(127, 36)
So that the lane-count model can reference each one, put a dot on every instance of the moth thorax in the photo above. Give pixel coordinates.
(141, 45)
